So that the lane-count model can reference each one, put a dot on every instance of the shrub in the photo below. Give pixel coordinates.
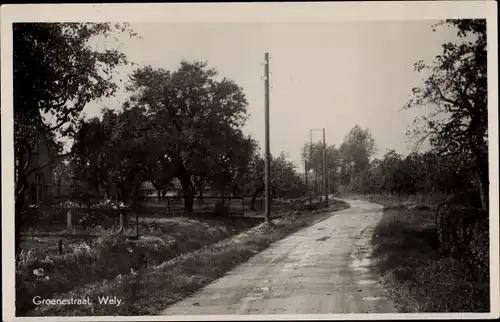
(464, 232)
(221, 209)
(420, 207)
(44, 277)
(470, 198)
(34, 217)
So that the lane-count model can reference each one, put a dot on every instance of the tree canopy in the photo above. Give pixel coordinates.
(456, 89)
(195, 119)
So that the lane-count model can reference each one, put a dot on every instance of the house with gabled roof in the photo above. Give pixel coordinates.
(39, 189)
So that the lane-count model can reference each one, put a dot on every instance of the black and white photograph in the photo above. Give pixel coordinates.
(249, 161)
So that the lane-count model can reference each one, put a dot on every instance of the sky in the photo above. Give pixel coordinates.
(322, 75)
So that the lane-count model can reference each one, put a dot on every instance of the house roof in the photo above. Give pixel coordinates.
(53, 146)
(176, 183)
(147, 185)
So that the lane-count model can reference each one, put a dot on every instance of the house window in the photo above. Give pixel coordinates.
(35, 146)
(39, 183)
(39, 178)
(34, 194)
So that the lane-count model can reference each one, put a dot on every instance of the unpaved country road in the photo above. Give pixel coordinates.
(320, 269)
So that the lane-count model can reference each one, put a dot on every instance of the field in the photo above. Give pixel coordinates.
(43, 230)
(419, 276)
(181, 255)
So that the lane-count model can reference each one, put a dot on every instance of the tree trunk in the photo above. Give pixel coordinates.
(136, 198)
(18, 223)
(123, 197)
(200, 191)
(254, 197)
(106, 191)
(19, 205)
(481, 158)
(125, 218)
(223, 196)
(97, 190)
(20, 196)
(187, 190)
(59, 188)
(484, 186)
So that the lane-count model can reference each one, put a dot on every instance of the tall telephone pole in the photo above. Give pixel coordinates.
(325, 170)
(311, 161)
(306, 170)
(267, 141)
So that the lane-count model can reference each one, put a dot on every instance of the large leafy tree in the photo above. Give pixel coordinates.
(285, 182)
(194, 113)
(62, 175)
(56, 73)
(228, 166)
(254, 178)
(456, 89)
(313, 153)
(88, 159)
(116, 152)
(131, 152)
(355, 153)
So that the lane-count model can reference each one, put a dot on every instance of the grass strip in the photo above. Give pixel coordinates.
(417, 275)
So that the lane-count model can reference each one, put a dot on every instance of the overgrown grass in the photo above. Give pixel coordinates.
(420, 277)
(148, 290)
(42, 272)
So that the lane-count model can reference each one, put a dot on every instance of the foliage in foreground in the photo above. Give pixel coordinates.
(420, 276)
(456, 89)
(112, 254)
(464, 233)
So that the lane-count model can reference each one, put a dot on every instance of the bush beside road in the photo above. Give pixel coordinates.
(420, 272)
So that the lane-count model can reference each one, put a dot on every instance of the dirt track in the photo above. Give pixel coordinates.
(324, 268)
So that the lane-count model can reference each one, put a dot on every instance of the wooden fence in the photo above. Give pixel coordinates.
(64, 223)
(67, 218)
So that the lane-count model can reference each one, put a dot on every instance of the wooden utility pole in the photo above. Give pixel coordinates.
(305, 172)
(267, 141)
(311, 162)
(325, 170)
(321, 189)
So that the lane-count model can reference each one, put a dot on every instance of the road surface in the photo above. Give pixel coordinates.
(324, 268)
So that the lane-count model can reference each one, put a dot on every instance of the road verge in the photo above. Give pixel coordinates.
(418, 276)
